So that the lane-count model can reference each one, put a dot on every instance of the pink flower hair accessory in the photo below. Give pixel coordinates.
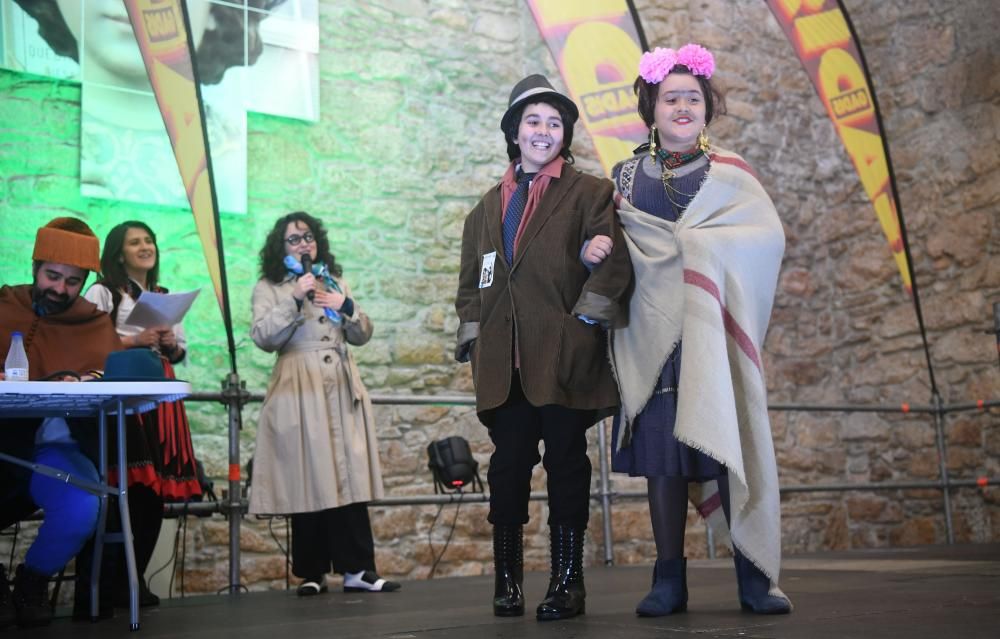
(656, 64)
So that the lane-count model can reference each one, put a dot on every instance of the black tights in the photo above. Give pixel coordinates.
(668, 507)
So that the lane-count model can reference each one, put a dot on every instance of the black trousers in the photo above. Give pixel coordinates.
(337, 537)
(516, 429)
(145, 509)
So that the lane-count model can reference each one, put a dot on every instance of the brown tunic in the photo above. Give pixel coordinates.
(78, 339)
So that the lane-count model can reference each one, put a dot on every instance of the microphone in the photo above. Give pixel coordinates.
(307, 265)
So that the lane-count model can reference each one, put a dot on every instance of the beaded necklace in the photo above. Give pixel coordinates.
(669, 161)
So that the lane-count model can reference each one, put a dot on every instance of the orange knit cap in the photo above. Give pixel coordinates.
(67, 240)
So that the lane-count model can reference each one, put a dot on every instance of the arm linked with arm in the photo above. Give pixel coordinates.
(606, 287)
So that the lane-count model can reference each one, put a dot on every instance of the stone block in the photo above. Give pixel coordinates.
(923, 465)
(864, 426)
(917, 531)
(836, 531)
(965, 432)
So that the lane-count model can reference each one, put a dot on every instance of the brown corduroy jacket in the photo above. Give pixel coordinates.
(539, 298)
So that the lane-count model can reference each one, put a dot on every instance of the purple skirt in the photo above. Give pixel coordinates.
(653, 451)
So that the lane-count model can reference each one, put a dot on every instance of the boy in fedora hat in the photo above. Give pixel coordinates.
(62, 332)
(533, 321)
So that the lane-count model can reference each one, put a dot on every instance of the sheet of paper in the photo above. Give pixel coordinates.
(160, 309)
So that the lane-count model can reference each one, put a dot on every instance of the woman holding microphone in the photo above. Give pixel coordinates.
(317, 455)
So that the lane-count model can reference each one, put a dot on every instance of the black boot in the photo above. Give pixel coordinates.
(754, 588)
(508, 564)
(566, 596)
(7, 614)
(31, 598)
(669, 593)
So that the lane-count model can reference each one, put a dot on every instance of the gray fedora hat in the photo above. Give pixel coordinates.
(530, 90)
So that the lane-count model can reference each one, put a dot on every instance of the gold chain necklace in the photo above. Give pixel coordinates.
(668, 188)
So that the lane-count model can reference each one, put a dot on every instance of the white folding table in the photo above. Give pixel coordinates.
(93, 399)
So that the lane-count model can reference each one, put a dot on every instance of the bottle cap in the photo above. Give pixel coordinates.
(17, 334)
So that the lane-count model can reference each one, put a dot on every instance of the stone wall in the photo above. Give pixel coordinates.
(412, 92)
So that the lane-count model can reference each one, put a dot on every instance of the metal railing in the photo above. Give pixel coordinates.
(234, 396)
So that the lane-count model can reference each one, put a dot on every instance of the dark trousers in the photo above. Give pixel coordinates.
(337, 537)
(516, 429)
(145, 509)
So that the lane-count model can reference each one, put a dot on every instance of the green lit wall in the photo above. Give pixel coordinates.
(404, 148)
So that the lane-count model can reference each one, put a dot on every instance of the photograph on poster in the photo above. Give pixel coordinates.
(125, 153)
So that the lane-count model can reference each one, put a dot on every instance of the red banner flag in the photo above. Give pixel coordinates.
(823, 39)
(163, 32)
(597, 46)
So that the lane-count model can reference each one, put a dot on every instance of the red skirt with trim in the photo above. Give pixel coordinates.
(159, 451)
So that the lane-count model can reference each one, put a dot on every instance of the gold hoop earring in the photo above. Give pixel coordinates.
(652, 141)
(703, 141)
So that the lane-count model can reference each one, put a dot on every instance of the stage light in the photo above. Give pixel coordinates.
(451, 462)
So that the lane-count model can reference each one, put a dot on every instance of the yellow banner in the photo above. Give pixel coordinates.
(162, 34)
(595, 43)
(821, 35)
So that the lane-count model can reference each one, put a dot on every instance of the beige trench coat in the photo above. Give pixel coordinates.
(316, 445)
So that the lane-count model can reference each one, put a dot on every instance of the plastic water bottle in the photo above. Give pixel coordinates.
(16, 366)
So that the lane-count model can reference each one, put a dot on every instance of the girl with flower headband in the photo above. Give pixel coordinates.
(316, 456)
(706, 245)
(159, 451)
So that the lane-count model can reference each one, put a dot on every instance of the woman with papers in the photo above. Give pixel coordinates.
(161, 461)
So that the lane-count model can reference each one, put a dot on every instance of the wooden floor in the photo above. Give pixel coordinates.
(933, 593)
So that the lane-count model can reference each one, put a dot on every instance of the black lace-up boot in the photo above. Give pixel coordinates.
(566, 596)
(508, 563)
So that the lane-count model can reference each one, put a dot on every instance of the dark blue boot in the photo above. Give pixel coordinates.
(754, 586)
(669, 593)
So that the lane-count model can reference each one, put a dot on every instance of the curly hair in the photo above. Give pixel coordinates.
(272, 255)
(510, 133)
(220, 48)
(715, 102)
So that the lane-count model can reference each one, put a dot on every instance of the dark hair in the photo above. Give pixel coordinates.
(272, 256)
(114, 277)
(715, 102)
(510, 133)
(113, 274)
(220, 48)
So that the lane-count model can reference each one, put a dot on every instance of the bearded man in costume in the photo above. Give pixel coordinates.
(65, 336)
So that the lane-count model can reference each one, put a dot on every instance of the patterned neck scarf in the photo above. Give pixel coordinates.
(322, 272)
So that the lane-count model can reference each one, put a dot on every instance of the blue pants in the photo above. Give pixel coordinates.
(70, 512)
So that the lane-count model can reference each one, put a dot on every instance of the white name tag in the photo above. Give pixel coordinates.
(486, 275)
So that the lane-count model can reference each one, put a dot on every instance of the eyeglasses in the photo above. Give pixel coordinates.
(294, 240)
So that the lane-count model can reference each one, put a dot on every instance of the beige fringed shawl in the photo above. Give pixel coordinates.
(710, 277)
